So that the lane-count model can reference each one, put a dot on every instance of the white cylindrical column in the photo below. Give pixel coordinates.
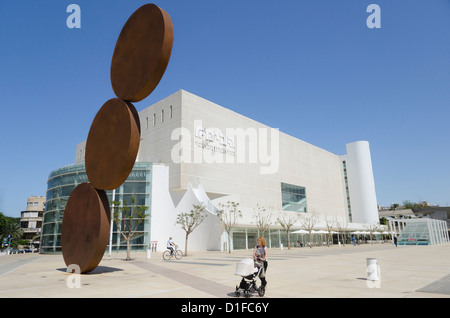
(361, 183)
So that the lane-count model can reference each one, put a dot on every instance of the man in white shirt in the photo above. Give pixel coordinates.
(169, 245)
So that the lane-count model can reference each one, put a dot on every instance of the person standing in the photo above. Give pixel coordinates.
(260, 254)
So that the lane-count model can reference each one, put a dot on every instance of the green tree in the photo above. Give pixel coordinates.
(127, 219)
(5, 220)
(190, 220)
(12, 230)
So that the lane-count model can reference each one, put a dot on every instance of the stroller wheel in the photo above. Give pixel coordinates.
(261, 291)
(246, 293)
(236, 292)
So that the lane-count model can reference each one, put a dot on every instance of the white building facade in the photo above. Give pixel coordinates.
(203, 153)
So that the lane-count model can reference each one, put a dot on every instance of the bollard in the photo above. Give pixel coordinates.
(281, 246)
(372, 269)
(149, 253)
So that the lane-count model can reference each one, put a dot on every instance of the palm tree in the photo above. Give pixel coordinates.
(11, 230)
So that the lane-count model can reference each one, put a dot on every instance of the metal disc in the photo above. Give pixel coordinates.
(85, 227)
(142, 53)
(112, 144)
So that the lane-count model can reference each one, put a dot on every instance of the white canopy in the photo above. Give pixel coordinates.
(300, 232)
(360, 232)
(312, 232)
(319, 232)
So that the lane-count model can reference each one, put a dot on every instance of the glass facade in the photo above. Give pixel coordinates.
(423, 232)
(63, 181)
(293, 198)
(245, 238)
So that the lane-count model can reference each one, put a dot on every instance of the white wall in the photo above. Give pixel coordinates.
(166, 205)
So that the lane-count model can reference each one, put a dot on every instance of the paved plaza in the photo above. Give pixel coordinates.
(405, 271)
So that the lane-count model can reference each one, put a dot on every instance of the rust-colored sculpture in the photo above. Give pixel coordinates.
(85, 227)
(112, 144)
(139, 61)
(142, 53)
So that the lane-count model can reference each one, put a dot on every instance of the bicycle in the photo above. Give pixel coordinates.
(178, 254)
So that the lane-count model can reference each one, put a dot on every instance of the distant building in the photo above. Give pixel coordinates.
(31, 218)
(421, 225)
(434, 212)
(397, 214)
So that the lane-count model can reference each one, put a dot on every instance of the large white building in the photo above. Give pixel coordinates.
(205, 153)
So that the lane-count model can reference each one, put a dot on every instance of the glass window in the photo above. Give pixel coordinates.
(293, 198)
(67, 190)
(239, 241)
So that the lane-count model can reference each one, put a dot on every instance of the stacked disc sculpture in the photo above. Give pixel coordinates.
(139, 61)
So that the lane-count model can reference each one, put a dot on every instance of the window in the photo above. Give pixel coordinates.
(154, 120)
(293, 198)
(171, 112)
(349, 206)
(162, 115)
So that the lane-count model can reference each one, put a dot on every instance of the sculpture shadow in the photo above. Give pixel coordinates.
(96, 271)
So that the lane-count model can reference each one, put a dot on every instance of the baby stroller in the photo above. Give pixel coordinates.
(250, 271)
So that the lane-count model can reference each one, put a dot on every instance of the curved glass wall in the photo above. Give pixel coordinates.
(63, 181)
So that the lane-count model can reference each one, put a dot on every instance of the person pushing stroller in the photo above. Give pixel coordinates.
(260, 255)
(249, 269)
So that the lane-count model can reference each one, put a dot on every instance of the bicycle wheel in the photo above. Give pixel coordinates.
(166, 255)
(178, 254)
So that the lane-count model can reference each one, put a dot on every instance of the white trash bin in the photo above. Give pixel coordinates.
(372, 269)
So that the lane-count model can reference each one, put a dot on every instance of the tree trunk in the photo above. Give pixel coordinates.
(288, 241)
(186, 244)
(229, 243)
(128, 249)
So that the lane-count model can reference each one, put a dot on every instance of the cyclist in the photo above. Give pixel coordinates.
(170, 245)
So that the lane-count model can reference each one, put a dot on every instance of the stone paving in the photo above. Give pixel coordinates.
(330, 272)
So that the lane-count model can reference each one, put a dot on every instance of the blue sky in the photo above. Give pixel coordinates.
(313, 69)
